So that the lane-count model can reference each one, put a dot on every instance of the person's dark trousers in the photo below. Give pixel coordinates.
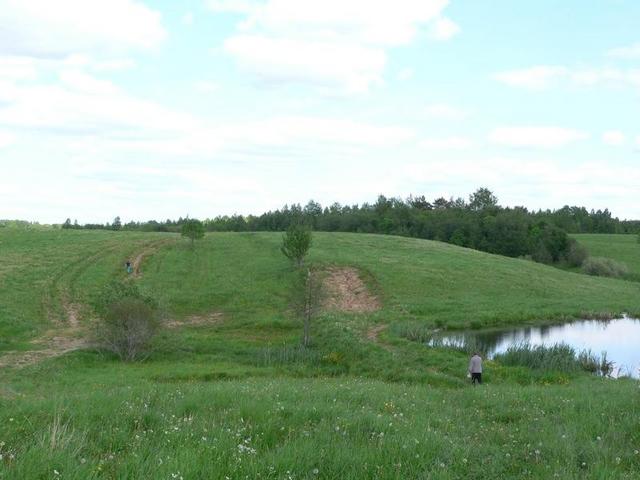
(476, 377)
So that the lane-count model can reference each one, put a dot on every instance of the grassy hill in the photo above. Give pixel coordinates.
(622, 248)
(227, 393)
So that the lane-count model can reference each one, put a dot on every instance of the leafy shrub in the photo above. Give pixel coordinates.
(541, 255)
(577, 254)
(604, 267)
(128, 321)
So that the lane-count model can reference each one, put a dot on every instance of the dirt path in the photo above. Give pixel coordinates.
(70, 334)
(147, 252)
(54, 343)
(348, 293)
(213, 318)
(374, 332)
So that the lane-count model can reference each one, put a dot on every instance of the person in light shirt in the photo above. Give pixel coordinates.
(475, 368)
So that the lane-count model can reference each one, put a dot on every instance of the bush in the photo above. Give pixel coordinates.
(541, 255)
(128, 321)
(604, 267)
(577, 254)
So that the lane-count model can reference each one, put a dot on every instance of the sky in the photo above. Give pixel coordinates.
(159, 109)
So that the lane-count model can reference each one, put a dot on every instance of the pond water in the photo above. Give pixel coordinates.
(619, 338)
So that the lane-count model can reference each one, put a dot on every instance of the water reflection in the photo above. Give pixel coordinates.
(619, 338)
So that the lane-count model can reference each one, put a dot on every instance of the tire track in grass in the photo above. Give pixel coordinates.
(70, 332)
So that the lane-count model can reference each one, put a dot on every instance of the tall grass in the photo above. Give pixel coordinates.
(287, 355)
(558, 358)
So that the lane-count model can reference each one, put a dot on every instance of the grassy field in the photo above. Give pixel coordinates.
(226, 395)
(622, 248)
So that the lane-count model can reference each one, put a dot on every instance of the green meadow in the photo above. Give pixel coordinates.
(622, 248)
(228, 393)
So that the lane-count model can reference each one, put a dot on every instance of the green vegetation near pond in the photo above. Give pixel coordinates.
(225, 393)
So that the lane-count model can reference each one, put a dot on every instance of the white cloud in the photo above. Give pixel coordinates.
(76, 101)
(446, 143)
(536, 137)
(445, 112)
(187, 19)
(234, 6)
(17, 68)
(534, 78)
(6, 139)
(610, 76)
(287, 129)
(378, 23)
(405, 74)
(322, 63)
(545, 76)
(337, 43)
(614, 138)
(206, 86)
(444, 29)
(92, 113)
(46, 28)
(628, 52)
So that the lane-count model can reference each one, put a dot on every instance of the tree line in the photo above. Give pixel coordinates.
(478, 222)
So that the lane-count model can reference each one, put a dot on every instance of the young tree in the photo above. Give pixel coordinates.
(308, 295)
(296, 243)
(67, 224)
(117, 224)
(193, 230)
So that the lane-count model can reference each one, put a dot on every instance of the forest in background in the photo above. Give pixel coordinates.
(480, 223)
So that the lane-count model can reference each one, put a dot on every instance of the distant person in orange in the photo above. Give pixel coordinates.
(475, 368)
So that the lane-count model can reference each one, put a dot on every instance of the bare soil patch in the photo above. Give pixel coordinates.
(54, 343)
(56, 347)
(347, 292)
(212, 318)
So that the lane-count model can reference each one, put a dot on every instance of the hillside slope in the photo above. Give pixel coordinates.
(244, 274)
(419, 279)
(228, 394)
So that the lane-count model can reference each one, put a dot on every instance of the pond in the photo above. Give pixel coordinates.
(619, 338)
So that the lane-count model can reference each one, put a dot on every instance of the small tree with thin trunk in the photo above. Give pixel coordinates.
(193, 230)
(296, 243)
(308, 299)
